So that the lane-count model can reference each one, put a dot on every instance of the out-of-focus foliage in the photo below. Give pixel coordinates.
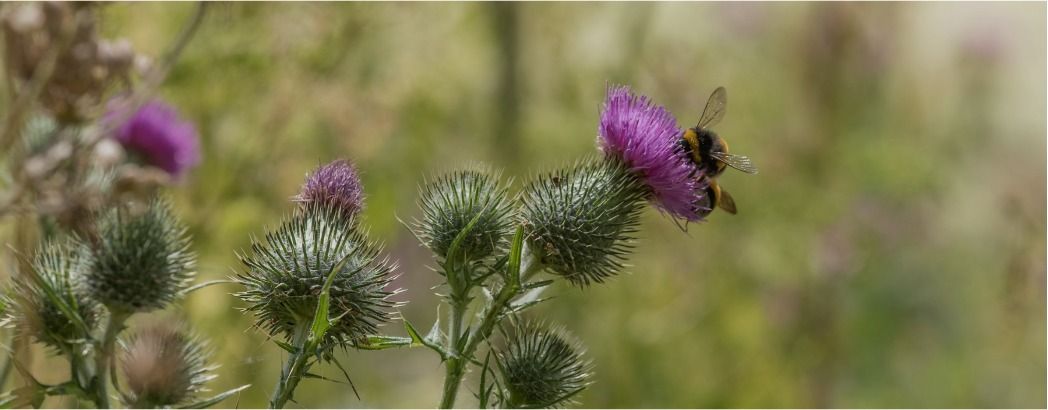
(890, 253)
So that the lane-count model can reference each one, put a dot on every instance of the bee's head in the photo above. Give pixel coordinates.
(684, 146)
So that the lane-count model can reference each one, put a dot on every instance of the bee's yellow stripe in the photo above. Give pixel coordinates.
(693, 140)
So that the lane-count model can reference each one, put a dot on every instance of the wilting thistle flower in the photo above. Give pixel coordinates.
(646, 138)
(32, 311)
(580, 220)
(335, 185)
(140, 258)
(541, 367)
(87, 66)
(454, 200)
(286, 274)
(163, 367)
(157, 135)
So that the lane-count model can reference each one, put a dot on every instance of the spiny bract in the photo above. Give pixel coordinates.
(286, 274)
(541, 367)
(140, 259)
(36, 314)
(452, 201)
(581, 220)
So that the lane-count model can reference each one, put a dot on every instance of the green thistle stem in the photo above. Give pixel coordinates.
(105, 355)
(455, 366)
(294, 367)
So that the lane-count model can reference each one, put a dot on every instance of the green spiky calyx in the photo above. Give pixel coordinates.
(163, 367)
(541, 367)
(140, 259)
(286, 274)
(581, 220)
(451, 202)
(44, 299)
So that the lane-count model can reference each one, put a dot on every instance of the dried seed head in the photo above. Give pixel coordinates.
(87, 66)
(163, 367)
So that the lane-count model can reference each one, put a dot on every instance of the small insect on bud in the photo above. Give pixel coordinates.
(47, 318)
(335, 186)
(580, 220)
(140, 258)
(453, 201)
(163, 367)
(286, 272)
(541, 367)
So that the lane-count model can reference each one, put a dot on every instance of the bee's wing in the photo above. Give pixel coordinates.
(739, 162)
(715, 108)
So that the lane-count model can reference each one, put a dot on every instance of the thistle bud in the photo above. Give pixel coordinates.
(451, 202)
(336, 186)
(580, 220)
(163, 367)
(286, 274)
(541, 367)
(40, 316)
(140, 258)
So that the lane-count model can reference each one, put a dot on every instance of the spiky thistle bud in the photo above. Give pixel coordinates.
(336, 186)
(452, 201)
(541, 367)
(580, 220)
(139, 259)
(43, 299)
(163, 366)
(286, 274)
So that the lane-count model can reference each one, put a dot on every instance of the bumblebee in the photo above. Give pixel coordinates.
(710, 152)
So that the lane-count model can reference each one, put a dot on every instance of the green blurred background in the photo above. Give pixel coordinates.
(890, 253)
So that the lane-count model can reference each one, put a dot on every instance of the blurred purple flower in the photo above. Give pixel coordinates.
(158, 136)
(647, 138)
(335, 184)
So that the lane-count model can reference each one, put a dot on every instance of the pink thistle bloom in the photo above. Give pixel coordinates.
(335, 185)
(646, 137)
(157, 135)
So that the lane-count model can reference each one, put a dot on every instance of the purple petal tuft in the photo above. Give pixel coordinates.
(159, 136)
(335, 184)
(647, 138)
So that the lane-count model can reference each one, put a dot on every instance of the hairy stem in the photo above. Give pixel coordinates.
(455, 366)
(104, 356)
(294, 367)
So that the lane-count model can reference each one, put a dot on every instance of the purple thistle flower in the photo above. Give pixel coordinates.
(647, 138)
(335, 184)
(158, 136)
